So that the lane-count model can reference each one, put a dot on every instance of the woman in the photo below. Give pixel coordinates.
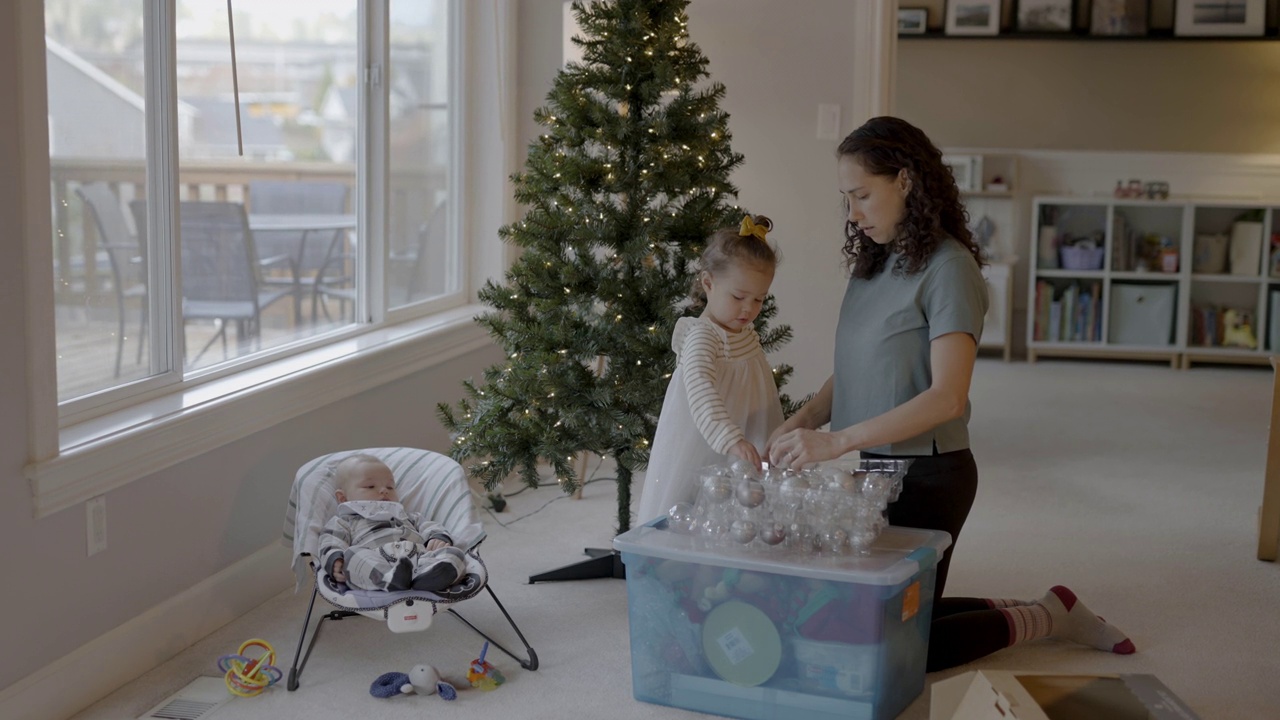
(905, 350)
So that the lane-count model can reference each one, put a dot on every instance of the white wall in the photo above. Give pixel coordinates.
(778, 61)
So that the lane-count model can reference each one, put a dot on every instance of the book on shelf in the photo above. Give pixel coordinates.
(1068, 313)
(1120, 243)
(1093, 327)
(1040, 326)
(1206, 325)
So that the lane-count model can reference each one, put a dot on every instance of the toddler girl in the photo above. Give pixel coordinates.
(722, 399)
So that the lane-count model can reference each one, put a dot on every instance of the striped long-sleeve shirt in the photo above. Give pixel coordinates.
(372, 524)
(698, 347)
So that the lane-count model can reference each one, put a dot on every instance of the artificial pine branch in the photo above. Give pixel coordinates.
(627, 180)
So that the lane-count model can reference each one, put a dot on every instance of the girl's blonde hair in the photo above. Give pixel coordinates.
(744, 243)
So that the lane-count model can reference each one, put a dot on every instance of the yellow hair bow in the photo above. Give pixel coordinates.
(749, 228)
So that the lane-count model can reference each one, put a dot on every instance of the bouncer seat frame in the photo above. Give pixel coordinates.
(428, 483)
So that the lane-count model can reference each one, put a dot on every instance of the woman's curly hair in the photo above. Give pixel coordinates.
(885, 146)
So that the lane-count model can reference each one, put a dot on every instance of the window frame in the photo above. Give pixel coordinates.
(79, 453)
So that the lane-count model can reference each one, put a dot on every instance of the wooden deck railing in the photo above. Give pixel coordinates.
(82, 276)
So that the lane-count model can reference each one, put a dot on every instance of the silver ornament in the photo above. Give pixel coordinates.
(773, 533)
(718, 488)
(793, 489)
(835, 540)
(714, 527)
(743, 531)
(680, 518)
(750, 493)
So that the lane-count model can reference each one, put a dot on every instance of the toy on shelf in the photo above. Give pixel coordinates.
(1153, 190)
(484, 675)
(1237, 329)
(247, 676)
(422, 680)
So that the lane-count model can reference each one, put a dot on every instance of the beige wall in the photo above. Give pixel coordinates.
(1079, 95)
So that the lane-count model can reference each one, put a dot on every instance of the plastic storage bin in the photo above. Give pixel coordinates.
(779, 633)
(1142, 314)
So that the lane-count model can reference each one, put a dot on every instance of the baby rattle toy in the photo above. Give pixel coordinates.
(483, 675)
(246, 676)
(422, 679)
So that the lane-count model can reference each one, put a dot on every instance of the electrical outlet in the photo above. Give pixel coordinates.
(96, 511)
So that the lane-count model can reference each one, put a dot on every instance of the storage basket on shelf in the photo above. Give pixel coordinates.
(1081, 257)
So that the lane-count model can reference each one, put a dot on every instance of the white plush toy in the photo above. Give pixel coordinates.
(425, 680)
(422, 680)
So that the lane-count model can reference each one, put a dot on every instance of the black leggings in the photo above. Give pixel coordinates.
(937, 494)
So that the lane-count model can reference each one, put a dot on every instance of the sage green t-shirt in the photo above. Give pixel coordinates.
(882, 342)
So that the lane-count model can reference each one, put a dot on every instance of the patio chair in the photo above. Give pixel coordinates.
(126, 255)
(419, 275)
(309, 250)
(220, 271)
(428, 483)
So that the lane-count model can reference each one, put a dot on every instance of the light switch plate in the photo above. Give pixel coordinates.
(828, 122)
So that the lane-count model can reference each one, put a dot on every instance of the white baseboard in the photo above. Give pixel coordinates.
(103, 665)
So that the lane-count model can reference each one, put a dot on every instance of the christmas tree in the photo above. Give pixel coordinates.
(622, 189)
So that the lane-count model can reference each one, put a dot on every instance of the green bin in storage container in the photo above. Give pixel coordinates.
(762, 634)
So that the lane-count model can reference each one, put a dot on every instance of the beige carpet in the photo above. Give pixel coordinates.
(1135, 485)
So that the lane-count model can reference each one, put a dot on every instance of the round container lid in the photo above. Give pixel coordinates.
(741, 643)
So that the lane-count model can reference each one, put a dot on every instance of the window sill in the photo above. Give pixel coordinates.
(102, 454)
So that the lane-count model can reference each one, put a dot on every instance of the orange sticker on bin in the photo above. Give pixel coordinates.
(911, 601)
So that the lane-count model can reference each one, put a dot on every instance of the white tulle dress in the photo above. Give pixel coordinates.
(722, 391)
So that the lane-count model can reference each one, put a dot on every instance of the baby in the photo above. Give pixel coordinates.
(372, 543)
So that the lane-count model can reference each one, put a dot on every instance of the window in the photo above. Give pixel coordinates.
(402, 259)
(259, 242)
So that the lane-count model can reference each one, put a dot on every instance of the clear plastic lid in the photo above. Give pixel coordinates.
(897, 555)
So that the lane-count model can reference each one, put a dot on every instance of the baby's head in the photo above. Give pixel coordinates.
(364, 477)
(735, 272)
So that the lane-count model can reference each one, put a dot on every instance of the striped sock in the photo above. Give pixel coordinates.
(1073, 621)
(1027, 622)
(998, 603)
(1060, 614)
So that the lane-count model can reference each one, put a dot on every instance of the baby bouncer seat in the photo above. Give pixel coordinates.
(428, 483)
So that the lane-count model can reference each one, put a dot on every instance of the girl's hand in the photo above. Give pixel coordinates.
(436, 544)
(745, 451)
(338, 574)
(802, 447)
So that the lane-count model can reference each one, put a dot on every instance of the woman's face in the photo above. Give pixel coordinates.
(876, 202)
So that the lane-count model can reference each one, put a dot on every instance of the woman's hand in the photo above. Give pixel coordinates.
(746, 452)
(797, 448)
(792, 423)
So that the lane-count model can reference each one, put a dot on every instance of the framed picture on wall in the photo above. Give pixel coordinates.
(1045, 15)
(1219, 17)
(973, 17)
(913, 20)
(1118, 17)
